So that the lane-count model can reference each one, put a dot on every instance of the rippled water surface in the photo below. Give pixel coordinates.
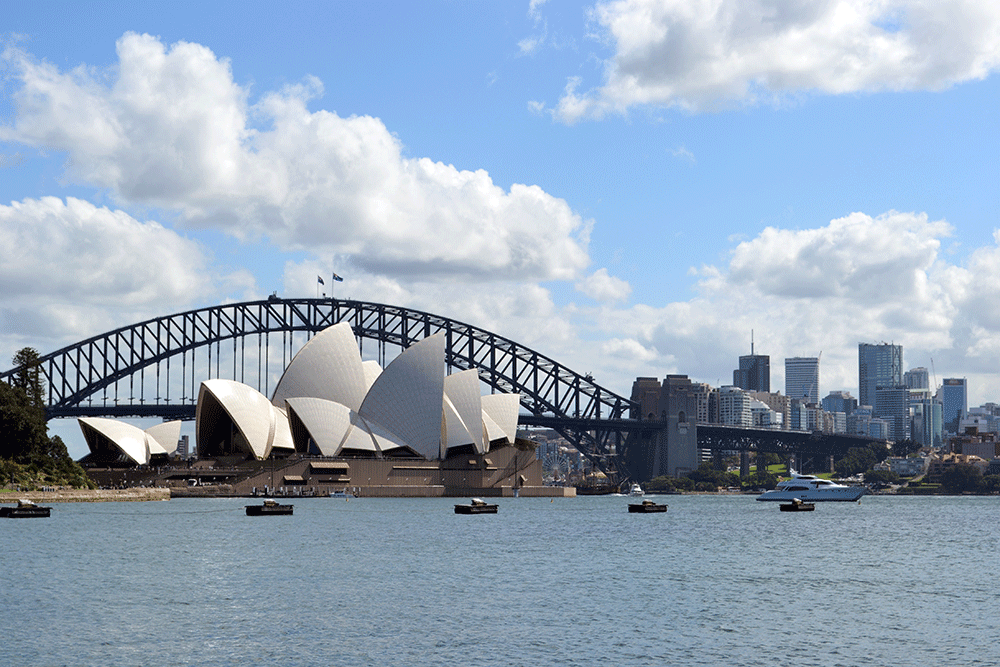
(717, 580)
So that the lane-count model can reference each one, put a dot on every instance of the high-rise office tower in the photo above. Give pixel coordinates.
(878, 366)
(802, 379)
(754, 373)
(917, 378)
(955, 399)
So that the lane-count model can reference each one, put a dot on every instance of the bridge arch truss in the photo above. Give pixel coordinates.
(154, 368)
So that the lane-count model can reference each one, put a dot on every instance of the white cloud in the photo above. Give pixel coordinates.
(169, 127)
(703, 55)
(605, 288)
(71, 269)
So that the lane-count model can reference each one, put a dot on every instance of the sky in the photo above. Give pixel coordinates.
(630, 188)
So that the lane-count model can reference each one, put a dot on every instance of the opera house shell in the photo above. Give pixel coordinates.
(331, 403)
(116, 442)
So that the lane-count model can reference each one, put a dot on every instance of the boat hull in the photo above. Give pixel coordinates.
(475, 509)
(797, 507)
(25, 512)
(646, 508)
(845, 495)
(269, 510)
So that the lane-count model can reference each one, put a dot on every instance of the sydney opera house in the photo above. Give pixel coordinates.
(335, 423)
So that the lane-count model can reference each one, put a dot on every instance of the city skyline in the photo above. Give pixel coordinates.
(626, 202)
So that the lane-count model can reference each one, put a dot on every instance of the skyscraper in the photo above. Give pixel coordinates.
(917, 378)
(754, 373)
(878, 366)
(802, 378)
(955, 398)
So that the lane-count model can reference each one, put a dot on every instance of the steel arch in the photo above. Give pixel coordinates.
(75, 374)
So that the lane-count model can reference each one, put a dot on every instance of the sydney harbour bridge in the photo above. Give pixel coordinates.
(154, 369)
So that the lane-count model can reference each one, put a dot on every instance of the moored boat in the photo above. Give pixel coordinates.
(812, 489)
(646, 506)
(25, 509)
(269, 508)
(477, 506)
(797, 506)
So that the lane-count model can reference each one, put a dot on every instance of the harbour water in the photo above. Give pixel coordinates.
(717, 580)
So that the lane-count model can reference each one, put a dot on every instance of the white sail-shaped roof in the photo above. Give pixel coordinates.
(372, 370)
(407, 396)
(493, 432)
(162, 438)
(328, 367)
(454, 432)
(281, 434)
(358, 437)
(326, 422)
(463, 390)
(503, 409)
(131, 440)
(249, 410)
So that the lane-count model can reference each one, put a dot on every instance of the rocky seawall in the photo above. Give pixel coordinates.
(86, 495)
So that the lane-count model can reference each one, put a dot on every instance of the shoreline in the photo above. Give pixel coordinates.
(137, 494)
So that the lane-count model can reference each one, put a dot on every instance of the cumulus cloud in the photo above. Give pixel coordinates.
(600, 286)
(71, 269)
(169, 127)
(703, 55)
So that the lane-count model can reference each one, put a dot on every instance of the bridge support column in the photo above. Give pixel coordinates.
(829, 461)
(791, 463)
(744, 463)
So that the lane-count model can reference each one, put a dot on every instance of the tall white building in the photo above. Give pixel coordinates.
(802, 379)
(734, 407)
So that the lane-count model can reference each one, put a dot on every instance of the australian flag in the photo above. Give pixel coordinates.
(338, 278)
(319, 279)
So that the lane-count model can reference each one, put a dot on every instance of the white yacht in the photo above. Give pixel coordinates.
(811, 489)
(636, 490)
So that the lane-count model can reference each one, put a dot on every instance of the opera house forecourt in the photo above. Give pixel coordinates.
(334, 423)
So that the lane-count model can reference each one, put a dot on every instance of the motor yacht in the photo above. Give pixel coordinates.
(811, 489)
(636, 490)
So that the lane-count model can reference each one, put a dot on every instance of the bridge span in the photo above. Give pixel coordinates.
(154, 369)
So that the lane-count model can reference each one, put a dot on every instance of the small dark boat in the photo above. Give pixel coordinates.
(25, 510)
(477, 506)
(797, 506)
(646, 506)
(269, 508)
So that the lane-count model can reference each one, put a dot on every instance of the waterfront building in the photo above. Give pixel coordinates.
(763, 416)
(330, 403)
(893, 405)
(708, 402)
(862, 422)
(734, 407)
(925, 421)
(840, 401)
(806, 416)
(775, 401)
(879, 365)
(802, 379)
(955, 402)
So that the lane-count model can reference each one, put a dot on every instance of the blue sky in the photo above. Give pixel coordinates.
(627, 187)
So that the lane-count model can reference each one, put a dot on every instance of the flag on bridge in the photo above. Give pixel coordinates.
(319, 279)
(338, 278)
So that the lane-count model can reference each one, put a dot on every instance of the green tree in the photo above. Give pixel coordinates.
(904, 448)
(858, 460)
(962, 478)
(881, 477)
(28, 375)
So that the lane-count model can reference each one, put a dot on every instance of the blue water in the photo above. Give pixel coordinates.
(717, 580)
